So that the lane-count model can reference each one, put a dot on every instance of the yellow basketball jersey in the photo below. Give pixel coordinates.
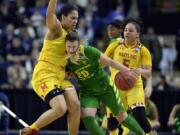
(112, 46)
(54, 51)
(132, 57)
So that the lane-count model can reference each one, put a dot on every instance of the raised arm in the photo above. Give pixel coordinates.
(104, 60)
(52, 21)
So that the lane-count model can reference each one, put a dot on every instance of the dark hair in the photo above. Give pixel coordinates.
(138, 24)
(72, 36)
(116, 23)
(66, 9)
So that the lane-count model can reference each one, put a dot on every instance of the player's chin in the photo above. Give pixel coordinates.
(126, 37)
(73, 27)
(72, 53)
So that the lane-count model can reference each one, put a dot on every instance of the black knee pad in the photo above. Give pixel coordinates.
(112, 123)
(140, 116)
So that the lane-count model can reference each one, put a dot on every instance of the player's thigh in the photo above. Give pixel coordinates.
(58, 104)
(89, 105)
(89, 102)
(45, 86)
(45, 81)
(70, 96)
(112, 99)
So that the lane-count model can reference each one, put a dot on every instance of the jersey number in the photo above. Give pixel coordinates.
(83, 74)
(126, 62)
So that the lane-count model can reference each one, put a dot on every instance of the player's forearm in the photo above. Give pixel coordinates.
(104, 60)
(149, 81)
(148, 88)
(118, 66)
(146, 73)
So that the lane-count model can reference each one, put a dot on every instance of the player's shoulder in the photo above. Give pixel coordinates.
(143, 47)
(82, 48)
(116, 41)
(87, 49)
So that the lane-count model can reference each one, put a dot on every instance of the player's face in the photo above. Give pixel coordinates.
(72, 46)
(70, 21)
(113, 31)
(130, 32)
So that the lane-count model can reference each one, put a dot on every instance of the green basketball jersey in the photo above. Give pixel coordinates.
(91, 77)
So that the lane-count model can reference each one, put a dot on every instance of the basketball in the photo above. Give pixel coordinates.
(125, 80)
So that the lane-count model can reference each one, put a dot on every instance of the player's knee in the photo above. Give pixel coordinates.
(58, 106)
(112, 123)
(121, 117)
(60, 110)
(140, 116)
(74, 104)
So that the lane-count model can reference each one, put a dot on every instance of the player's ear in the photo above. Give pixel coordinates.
(83, 41)
(63, 17)
(138, 35)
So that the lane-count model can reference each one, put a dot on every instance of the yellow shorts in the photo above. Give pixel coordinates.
(133, 97)
(104, 122)
(47, 77)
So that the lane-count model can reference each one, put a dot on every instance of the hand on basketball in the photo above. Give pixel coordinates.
(125, 80)
(125, 69)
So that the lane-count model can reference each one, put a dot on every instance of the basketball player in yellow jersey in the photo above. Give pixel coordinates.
(137, 57)
(48, 78)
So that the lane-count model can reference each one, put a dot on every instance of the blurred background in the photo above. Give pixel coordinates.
(22, 28)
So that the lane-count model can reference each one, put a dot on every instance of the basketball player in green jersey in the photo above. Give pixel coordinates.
(95, 85)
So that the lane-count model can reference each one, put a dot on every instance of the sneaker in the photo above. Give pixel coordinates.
(28, 131)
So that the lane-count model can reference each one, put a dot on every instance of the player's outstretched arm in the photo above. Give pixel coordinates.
(104, 60)
(52, 21)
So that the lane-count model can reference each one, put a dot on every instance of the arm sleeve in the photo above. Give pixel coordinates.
(146, 57)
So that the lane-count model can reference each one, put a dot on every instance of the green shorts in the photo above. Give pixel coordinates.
(111, 98)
